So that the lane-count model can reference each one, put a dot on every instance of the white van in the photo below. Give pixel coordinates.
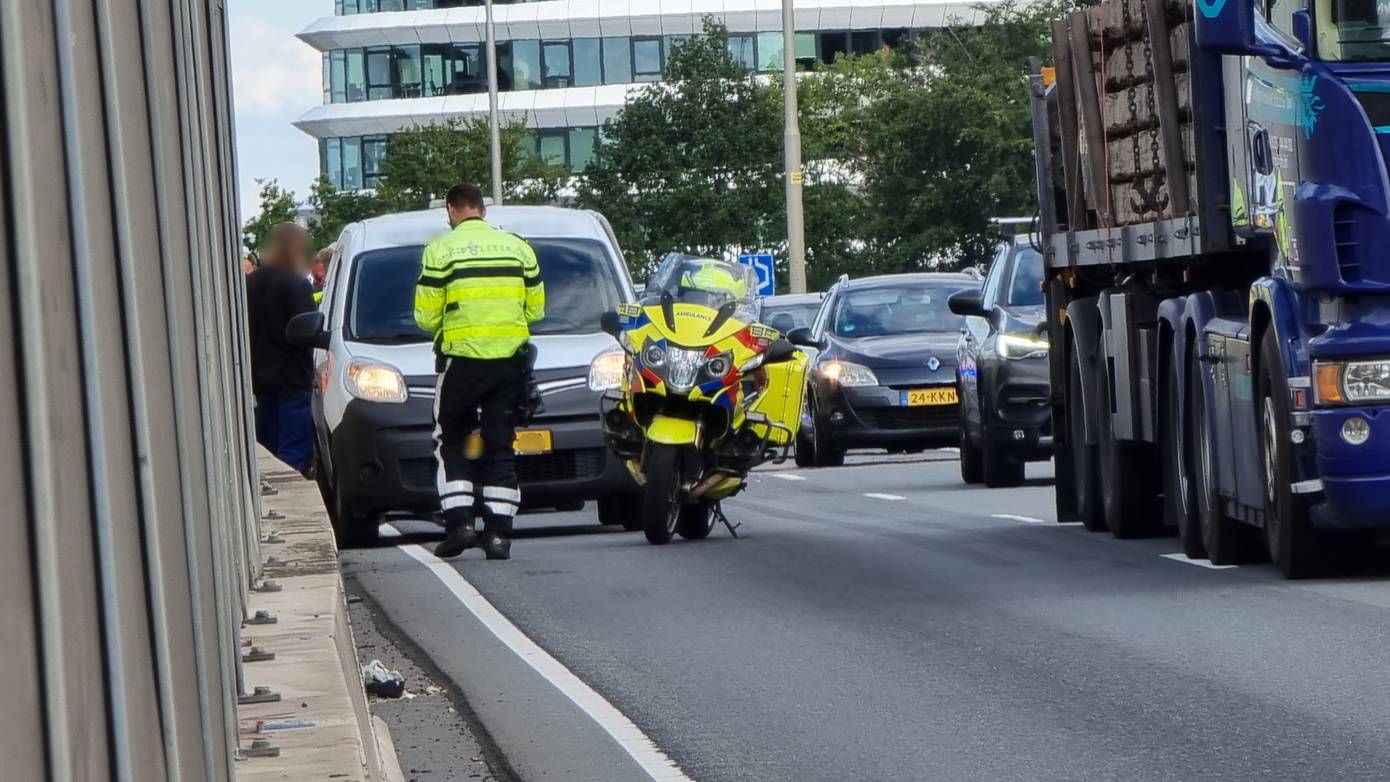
(374, 401)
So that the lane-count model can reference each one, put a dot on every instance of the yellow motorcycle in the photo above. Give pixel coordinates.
(700, 394)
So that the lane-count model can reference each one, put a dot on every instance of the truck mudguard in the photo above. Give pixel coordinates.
(1085, 329)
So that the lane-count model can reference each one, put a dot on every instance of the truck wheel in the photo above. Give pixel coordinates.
(1179, 508)
(1127, 490)
(664, 497)
(623, 508)
(1294, 545)
(971, 460)
(1227, 541)
(1083, 456)
(695, 521)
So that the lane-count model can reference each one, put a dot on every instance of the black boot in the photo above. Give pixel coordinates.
(496, 546)
(457, 540)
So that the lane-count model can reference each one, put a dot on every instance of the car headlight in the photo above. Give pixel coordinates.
(1022, 346)
(374, 381)
(682, 368)
(1351, 382)
(848, 374)
(607, 370)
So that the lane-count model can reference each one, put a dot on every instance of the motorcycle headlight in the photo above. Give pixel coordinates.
(653, 357)
(607, 370)
(718, 366)
(1022, 346)
(682, 368)
(848, 374)
(1351, 382)
(374, 381)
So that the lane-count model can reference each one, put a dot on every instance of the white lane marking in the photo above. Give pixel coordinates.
(786, 476)
(1068, 523)
(878, 496)
(614, 722)
(387, 531)
(1206, 563)
(1013, 517)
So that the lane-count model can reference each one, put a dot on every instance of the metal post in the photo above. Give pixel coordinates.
(495, 135)
(796, 231)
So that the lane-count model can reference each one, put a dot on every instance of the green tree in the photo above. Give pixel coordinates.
(336, 208)
(423, 162)
(277, 206)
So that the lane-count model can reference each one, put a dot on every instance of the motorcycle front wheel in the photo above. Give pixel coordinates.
(663, 499)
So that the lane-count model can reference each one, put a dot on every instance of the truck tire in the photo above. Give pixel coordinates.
(1296, 548)
(971, 460)
(1083, 456)
(623, 508)
(1127, 486)
(1179, 509)
(1227, 541)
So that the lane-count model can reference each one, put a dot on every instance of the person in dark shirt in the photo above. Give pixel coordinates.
(282, 375)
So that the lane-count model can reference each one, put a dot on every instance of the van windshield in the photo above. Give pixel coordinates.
(580, 286)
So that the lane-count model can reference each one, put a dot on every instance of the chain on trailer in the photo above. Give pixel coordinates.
(1149, 194)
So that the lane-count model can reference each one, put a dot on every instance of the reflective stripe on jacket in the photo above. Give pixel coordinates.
(479, 291)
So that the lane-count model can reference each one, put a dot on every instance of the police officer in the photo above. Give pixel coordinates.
(479, 291)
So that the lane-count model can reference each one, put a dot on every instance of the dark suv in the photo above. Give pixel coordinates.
(885, 373)
(1002, 369)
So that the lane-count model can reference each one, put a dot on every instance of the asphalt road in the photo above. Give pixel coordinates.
(881, 621)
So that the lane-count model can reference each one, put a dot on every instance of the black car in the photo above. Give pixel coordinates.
(885, 373)
(1002, 369)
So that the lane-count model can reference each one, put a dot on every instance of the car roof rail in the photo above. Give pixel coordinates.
(841, 280)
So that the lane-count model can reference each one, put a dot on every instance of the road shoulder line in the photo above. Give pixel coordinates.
(633, 741)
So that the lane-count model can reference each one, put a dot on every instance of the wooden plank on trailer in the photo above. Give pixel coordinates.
(1067, 122)
(1123, 165)
(1088, 96)
(1166, 101)
(1119, 121)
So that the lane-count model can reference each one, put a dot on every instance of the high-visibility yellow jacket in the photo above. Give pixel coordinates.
(479, 290)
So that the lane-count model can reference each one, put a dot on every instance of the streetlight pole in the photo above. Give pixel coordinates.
(494, 133)
(796, 231)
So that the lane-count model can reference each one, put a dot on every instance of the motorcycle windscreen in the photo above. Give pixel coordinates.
(781, 402)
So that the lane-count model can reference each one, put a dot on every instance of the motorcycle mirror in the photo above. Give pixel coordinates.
(610, 324)
(779, 351)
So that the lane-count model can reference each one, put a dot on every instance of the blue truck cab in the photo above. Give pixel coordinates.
(1215, 204)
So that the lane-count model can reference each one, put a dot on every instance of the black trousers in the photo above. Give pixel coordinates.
(478, 395)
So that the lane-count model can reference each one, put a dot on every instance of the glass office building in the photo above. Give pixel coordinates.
(563, 66)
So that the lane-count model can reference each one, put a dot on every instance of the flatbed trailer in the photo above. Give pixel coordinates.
(1215, 219)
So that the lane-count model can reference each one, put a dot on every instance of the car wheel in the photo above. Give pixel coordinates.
(971, 466)
(997, 469)
(352, 527)
(805, 452)
(823, 454)
(623, 508)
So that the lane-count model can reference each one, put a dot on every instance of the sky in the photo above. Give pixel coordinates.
(275, 79)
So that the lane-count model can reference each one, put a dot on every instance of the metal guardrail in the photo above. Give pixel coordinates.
(131, 530)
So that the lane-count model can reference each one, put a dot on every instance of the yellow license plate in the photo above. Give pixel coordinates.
(528, 441)
(919, 397)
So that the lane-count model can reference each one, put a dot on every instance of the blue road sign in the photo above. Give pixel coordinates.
(762, 263)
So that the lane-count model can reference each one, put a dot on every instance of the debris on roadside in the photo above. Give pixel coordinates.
(381, 681)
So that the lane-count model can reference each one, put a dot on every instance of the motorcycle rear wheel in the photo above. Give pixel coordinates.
(663, 499)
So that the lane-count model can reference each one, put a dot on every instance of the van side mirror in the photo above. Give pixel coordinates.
(968, 302)
(610, 323)
(802, 336)
(307, 330)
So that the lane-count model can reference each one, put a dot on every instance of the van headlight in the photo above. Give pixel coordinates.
(1022, 346)
(607, 370)
(1351, 382)
(374, 381)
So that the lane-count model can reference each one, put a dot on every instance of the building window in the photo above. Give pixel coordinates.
(741, 48)
(770, 51)
(352, 164)
(646, 59)
(356, 76)
(864, 41)
(333, 162)
(556, 60)
(405, 61)
(525, 64)
(379, 73)
(805, 51)
(583, 147)
(552, 147)
(373, 154)
(390, 5)
(588, 66)
(617, 60)
(833, 45)
(337, 74)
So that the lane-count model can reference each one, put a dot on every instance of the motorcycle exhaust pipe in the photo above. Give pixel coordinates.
(704, 486)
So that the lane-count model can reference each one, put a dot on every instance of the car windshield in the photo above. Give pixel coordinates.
(1025, 281)
(1353, 30)
(800, 315)
(704, 281)
(580, 286)
(877, 312)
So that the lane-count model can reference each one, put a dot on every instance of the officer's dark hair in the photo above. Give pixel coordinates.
(466, 195)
